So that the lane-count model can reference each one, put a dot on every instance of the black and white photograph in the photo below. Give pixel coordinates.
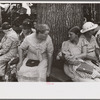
(55, 44)
(43, 42)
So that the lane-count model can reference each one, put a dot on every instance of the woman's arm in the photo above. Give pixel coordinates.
(6, 46)
(21, 49)
(97, 51)
(20, 52)
(50, 58)
(85, 55)
(50, 50)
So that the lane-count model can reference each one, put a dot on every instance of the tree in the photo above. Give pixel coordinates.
(60, 18)
(0, 17)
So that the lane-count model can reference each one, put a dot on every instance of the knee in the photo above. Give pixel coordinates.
(68, 72)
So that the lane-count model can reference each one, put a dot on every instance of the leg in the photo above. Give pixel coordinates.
(3, 63)
(97, 79)
(42, 70)
(95, 74)
(68, 72)
(76, 78)
(84, 80)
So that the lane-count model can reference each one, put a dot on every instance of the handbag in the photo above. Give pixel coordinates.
(32, 63)
(84, 67)
(14, 61)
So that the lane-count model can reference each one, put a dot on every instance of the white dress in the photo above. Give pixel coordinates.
(36, 51)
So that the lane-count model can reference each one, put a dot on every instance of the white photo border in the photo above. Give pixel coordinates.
(53, 90)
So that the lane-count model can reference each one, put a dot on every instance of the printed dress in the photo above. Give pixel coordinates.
(8, 45)
(70, 48)
(36, 51)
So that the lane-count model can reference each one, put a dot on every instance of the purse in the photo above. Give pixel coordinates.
(32, 63)
(14, 61)
(84, 67)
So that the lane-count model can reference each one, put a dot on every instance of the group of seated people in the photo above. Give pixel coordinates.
(34, 49)
(81, 54)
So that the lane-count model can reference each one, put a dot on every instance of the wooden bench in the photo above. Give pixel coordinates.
(58, 75)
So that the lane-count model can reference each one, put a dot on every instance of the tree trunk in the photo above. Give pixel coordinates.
(60, 18)
(0, 17)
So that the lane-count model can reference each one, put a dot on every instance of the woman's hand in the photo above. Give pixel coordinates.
(69, 57)
(59, 56)
(19, 65)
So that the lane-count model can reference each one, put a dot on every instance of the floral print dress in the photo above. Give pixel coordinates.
(69, 48)
(8, 49)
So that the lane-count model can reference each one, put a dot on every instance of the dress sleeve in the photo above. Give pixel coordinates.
(24, 45)
(6, 46)
(50, 47)
(97, 46)
(65, 47)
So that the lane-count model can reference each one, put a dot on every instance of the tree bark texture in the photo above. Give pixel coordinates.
(60, 18)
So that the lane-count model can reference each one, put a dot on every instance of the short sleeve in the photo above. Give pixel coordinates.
(24, 45)
(65, 47)
(97, 46)
(50, 47)
(98, 33)
(6, 46)
(84, 43)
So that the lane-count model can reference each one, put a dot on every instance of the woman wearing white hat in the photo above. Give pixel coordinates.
(89, 43)
(71, 52)
(90, 48)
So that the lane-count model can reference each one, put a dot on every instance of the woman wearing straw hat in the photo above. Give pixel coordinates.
(89, 45)
(71, 51)
(90, 48)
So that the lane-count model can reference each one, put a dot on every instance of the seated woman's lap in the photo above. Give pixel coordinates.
(76, 78)
(3, 62)
(68, 72)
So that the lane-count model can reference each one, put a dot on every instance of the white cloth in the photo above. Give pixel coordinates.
(37, 73)
(25, 5)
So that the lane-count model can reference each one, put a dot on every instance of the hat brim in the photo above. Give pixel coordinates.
(95, 26)
(25, 27)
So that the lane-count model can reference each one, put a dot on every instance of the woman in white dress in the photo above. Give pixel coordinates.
(40, 49)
